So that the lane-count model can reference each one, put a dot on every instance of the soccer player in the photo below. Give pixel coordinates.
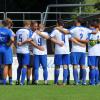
(99, 49)
(62, 53)
(22, 51)
(93, 55)
(1, 67)
(23, 38)
(40, 57)
(78, 52)
(6, 40)
(12, 45)
(30, 69)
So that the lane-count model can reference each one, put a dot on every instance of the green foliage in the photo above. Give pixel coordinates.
(90, 9)
(97, 5)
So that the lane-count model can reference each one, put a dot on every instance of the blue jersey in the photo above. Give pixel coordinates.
(5, 35)
(5, 51)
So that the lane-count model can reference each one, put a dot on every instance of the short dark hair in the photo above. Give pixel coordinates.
(93, 23)
(80, 20)
(60, 22)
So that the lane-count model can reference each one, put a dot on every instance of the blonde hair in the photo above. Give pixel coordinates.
(27, 23)
(7, 22)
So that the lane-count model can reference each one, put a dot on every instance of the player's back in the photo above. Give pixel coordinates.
(81, 33)
(61, 37)
(22, 35)
(5, 35)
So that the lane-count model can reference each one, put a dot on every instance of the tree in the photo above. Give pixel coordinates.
(97, 5)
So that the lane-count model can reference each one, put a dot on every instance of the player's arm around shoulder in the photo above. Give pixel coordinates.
(77, 42)
(43, 34)
(36, 46)
(82, 41)
(62, 30)
(54, 39)
(32, 42)
(23, 42)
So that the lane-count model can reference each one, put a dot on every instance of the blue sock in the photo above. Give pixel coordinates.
(96, 76)
(89, 78)
(65, 75)
(4, 81)
(23, 75)
(81, 73)
(56, 75)
(45, 74)
(18, 73)
(92, 76)
(99, 75)
(10, 80)
(68, 77)
(1, 73)
(28, 80)
(83, 76)
(75, 74)
(36, 76)
(33, 72)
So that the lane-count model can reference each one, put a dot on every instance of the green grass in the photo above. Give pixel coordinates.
(49, 92)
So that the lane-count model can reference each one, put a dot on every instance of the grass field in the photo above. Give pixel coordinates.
(49, 92)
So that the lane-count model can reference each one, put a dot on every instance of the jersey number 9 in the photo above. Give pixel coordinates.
(40, 42)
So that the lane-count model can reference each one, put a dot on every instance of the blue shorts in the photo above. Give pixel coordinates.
(78, 58)
(98, 60)
(92, 61)
(6, 56)
(40, 59)
(23, 59)
(62, 59)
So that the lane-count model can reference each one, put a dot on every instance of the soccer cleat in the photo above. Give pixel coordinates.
(28, 83)
(92, 84)
(57, 83)
(11, 83)
(68, 83)
(83, 83)
(33, 82)
(64, 84)
(46, 82)
(1, 81)
(21, 84)
(17, 83)
(36, 82)
(76, 84)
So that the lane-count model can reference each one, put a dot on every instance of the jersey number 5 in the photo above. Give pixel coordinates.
(20, 37)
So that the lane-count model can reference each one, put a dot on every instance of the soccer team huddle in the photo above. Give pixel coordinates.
(31, 51)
